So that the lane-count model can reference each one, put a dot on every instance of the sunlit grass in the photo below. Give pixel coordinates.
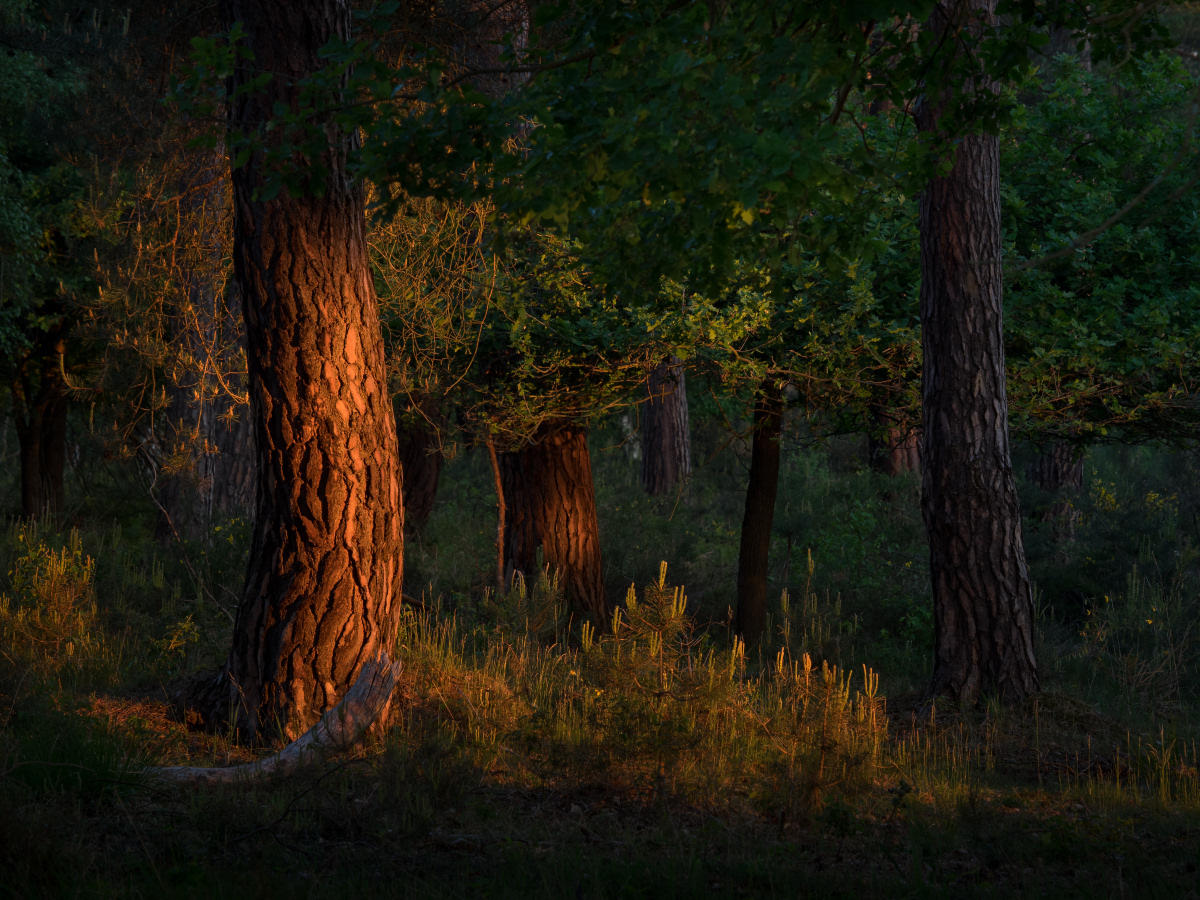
(528, 754)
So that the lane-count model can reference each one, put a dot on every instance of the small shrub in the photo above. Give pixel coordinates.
(49, 626)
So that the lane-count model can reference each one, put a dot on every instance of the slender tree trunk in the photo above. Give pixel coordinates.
(893, 449)
(501, 514)
(29, 439)
(421, 461)
(40, 406)
(322, 591)
(666, 447)
(520, 528)
(209, 457)
(754, 552)
(551, 503)
(983, 609)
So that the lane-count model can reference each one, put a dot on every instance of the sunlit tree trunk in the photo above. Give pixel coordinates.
(322, 586)
(983, 609)
(550, 503)
(666, 448)
(754, 552)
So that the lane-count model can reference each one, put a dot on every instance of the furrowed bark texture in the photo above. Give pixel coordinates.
(666, 448)
(550, 502)
(322, 590)
(983, 609)
(754, 552)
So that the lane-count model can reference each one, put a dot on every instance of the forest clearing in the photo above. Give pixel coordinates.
(623, 449)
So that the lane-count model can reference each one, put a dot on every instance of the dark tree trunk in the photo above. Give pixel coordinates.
(893, 448)
(40, 405)
(1058, 467)
(234, 474)
(550, 503)
(983, 609)
(520, 528)
(1058, 470)
(322, 591)
(754, 552)
(666, 448)
(421, 461)
(501, 514)
(210, 466)
(1062, 41)
(209, 461)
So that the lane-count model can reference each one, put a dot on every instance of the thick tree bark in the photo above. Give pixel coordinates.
(666, 447)
(550, 502)
(754, 552)
(40, 405)
(421, 461)
(322, 591)
(983, 609)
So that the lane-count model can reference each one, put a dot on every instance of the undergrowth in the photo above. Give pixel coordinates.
(530, 754)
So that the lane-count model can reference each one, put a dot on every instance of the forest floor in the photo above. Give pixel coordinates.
(425, 820)
(522, 759)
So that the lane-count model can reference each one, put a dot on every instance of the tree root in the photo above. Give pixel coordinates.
(340, 728)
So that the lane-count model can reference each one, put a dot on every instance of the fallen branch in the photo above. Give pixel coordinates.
(339, 728)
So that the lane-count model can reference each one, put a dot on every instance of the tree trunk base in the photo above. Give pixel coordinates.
(367, 702)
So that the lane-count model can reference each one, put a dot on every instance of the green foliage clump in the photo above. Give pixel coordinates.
(49, 625)
(1101, 219)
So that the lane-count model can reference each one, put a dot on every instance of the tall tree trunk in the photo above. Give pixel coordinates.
(322, 592)
(754, 552)
(550, 503)
(983, 608)
(40, 406)
(421, 461)
(666, 447)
